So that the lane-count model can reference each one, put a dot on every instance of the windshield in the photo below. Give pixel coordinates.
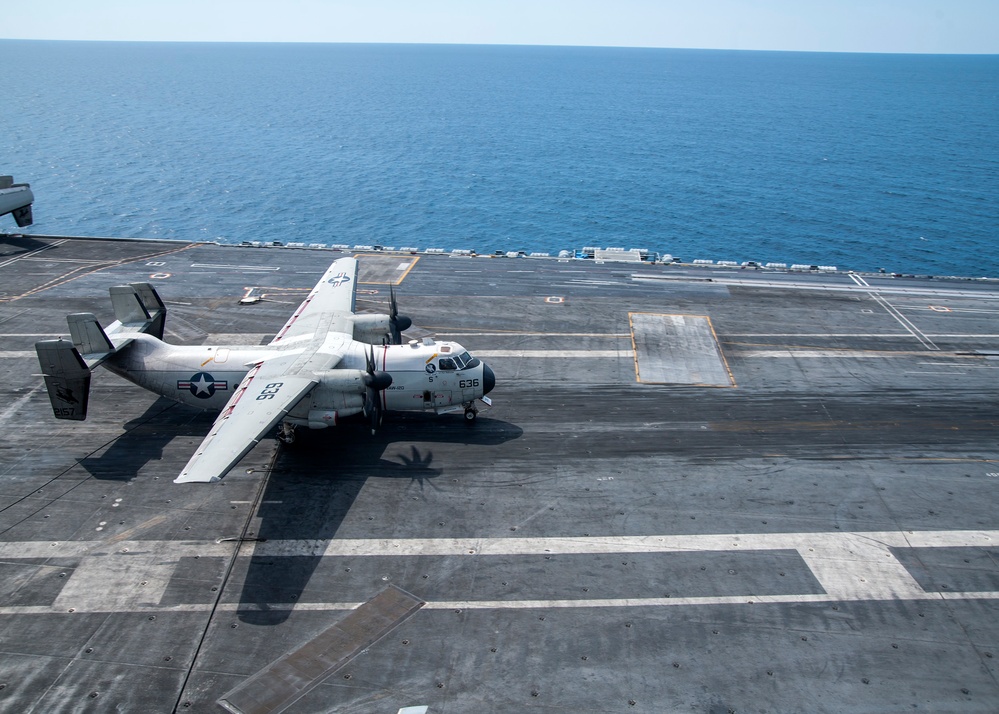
(466, 361)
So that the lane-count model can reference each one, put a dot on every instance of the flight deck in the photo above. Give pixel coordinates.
(697, 490)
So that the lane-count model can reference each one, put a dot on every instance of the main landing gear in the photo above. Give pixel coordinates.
(286, 433)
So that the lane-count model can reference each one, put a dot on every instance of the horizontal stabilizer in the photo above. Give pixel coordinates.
(67, 378)
(88, 335)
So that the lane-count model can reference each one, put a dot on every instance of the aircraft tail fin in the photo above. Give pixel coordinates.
(89, 337)
(138, 308)
(154, 306)
(128, 305)
(67, 378)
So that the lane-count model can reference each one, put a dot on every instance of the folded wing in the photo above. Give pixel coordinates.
(262, 399)
(334, 295)
(316, 338)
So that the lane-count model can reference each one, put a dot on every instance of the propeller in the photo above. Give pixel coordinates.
(375, 382)
(397, 323)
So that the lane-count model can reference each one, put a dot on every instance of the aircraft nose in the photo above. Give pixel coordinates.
(488, 379)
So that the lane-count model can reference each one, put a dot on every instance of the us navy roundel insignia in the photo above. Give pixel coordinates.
(338, 280)
(203, 385)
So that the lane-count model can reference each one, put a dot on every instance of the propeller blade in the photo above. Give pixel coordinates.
(397, 323)
(375, 382)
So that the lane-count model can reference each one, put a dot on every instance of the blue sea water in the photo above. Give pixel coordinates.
(860, 161)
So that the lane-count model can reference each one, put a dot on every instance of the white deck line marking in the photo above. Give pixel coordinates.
(18, 403)
(133, 575)
(255, 337)
(857, 354)
(829, 287)
(847, 334)
(962, 365)
(630, 544)
(817, 334)
(36, 251)
(926, 371)
(79, 261)
(700, 601)
(905, 322)
(505, 546)
(969, 310)
(554, 354)
(215, 266)
(515, 333)
(894, 312)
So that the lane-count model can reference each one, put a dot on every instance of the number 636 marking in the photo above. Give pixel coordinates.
(270, 390)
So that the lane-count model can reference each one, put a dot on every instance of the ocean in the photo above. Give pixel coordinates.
(861, 161)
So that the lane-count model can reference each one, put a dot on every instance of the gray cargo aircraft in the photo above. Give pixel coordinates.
(325, 364)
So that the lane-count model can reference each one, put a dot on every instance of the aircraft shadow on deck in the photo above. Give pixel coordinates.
(312, 487)
(145, 438)
(315, 483)
(21, 244)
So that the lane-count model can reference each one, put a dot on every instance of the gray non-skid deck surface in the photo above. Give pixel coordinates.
(284, 681)
(678, 349)
(820, 539)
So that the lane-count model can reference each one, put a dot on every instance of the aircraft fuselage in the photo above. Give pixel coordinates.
(428, 375)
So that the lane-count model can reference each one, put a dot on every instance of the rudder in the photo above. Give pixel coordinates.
(67, 378)
(154, 306)
(138, 308)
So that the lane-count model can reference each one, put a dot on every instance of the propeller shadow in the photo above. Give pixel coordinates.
(312, 487)
(315, 483)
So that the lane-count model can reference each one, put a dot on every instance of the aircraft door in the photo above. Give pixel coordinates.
(443, 382)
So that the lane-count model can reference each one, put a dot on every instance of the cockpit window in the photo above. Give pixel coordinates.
(466, 361)
(447, 363)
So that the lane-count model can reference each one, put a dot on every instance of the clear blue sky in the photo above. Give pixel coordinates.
(935, 26)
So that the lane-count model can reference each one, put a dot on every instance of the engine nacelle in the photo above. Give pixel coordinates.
(340, 394)
(372, 329)
(348, 381)
(322, 418)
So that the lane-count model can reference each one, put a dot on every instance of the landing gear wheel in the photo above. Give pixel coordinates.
(286, 434)
(470, 416)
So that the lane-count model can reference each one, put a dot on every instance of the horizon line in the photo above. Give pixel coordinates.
(497, 44)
